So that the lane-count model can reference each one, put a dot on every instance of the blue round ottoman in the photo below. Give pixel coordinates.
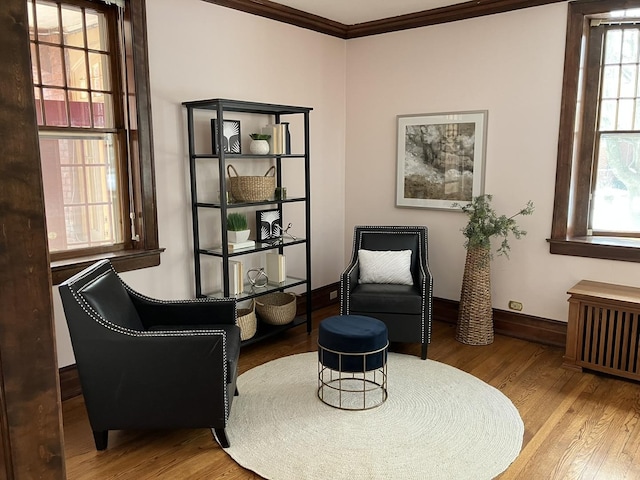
(352, 362)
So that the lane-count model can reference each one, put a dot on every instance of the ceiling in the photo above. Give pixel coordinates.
(350, 12)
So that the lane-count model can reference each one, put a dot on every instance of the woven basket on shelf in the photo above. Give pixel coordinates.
(475, 315)
(247, 321)
(278, 308)
(251, 188)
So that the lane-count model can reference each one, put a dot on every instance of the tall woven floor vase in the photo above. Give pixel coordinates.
(475, 315)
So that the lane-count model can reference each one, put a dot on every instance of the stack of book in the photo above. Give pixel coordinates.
(234, 247)
(236, 281)
(276, 268)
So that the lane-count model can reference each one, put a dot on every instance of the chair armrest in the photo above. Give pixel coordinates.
(156, 376)
(424, 275)
(191, 312)
(348, 281)
(351, 274)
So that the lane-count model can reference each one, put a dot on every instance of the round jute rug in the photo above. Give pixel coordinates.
(438, 423)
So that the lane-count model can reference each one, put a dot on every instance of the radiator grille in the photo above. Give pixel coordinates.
(608, 340)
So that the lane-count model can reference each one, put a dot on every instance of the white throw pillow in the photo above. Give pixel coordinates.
(385, 266)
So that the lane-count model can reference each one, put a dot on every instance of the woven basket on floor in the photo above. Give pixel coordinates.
(475, 315)
(251, 188)
(247, 321)
(278, 308)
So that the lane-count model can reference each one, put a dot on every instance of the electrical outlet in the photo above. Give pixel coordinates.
(513, 305)
(333, 295)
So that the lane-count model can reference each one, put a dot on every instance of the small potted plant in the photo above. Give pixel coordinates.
(237, 227)
(259, 144)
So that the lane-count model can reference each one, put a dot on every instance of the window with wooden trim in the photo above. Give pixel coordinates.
(597, 202)
(95, 139)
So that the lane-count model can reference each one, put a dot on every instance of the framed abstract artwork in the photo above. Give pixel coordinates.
(440, 161)
(268, 225)
(230, 136)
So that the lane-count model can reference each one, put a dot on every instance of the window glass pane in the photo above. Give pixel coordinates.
(608, 110)
(93, 152)
(81, 190)
(34, 64)
(101, 225)
(610, 81)
(102, 110)
(625, 114)
(616, 199)
(72, 31)
(79, 109)
(628, 81)
(48, 22)
(76, 68)
(51, 66)
(72, 185)
(37, 94)
(630, 46)
(96, 31)
(67, 152)
(100, 71)
(76, 235)
(97, 183)
(32, 23)
(612, 46)
(55, 107)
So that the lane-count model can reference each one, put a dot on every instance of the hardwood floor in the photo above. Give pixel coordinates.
(577, 425)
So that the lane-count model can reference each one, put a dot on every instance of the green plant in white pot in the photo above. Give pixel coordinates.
(237, 227)
(259, 143)
(475, 313)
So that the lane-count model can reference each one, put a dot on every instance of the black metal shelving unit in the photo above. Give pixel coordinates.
(218, 109)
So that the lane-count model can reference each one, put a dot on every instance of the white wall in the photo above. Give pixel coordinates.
(198, 50)
(510, 64)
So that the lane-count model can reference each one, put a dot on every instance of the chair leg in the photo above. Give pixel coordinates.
(424, 351)
(101, 438)
(220, 436)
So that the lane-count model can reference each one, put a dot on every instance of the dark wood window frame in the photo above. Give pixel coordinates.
(146, 251)
(573, 174)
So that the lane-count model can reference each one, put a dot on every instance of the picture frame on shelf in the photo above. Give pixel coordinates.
(231, 136)
(268, 225)
(440, 159)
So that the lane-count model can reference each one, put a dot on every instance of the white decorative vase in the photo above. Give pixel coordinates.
(239, 236)
(259, 147)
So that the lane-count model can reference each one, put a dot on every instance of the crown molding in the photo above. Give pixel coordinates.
(282, 13)
(451, 13)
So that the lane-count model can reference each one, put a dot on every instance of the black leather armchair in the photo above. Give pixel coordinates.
(146, 363)
(405, 309)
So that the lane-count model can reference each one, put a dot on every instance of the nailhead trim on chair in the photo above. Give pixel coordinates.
(163, 333)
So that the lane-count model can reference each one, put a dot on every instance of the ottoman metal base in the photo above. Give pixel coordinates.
(349, 390)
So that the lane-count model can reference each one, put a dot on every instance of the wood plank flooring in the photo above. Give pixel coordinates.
(577, 425)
